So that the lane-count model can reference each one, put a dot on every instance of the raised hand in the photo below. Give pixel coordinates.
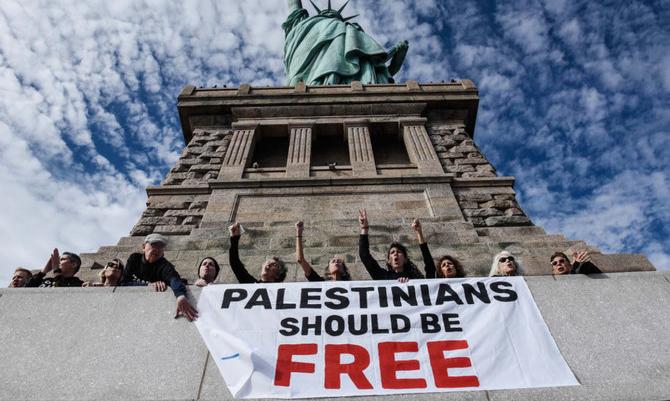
(235, 230)
(416, 226)
(299, 227)
(363, 221)
(581, 257)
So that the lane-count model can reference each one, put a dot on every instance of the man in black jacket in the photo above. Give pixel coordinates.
(151, 267)
(64, 268)
(560, 264)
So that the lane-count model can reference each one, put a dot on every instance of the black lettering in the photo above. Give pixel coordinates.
(430, 323)
(280, 300)
(233, 295)
(511, 295)
(375, 325)
(383, 297)
(425, 294)
(482, 294)
(451, 322)
(442, 296)
(395, 324)
(306, 326)
(363, 295)
(352, 325)
(334, 294)
(290, 327)
(331, 321)
(399, 295)
(259, 298)
(306, 296)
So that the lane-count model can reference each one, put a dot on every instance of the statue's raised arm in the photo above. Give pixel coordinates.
(326, 49)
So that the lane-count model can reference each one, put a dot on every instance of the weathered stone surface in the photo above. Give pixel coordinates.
(184, 213)
(482, 212)
(169, 205)
(159, 220)
(499, 204)
(507, 221)
(173, 230)
(460, 168)
(475, 197)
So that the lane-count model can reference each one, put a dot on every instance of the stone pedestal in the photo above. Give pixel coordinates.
(432, 169)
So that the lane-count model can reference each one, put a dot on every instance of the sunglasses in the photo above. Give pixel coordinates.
(555, 262)
(113, 265)
(505, 259)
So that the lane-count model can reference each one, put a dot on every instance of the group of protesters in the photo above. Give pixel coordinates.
(150, 268)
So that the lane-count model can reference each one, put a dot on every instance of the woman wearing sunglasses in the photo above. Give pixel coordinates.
(505, 264)
(110, 276)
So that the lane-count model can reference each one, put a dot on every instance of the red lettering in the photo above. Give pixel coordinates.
(335, 368)
(441, 365)
(389, 365)
(286, 366)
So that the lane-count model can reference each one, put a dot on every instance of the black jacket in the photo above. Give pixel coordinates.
(138, 269)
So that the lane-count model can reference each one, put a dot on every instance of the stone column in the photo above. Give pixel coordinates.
(420, 149)
(360, 150)
(238, 153)
(299, 152)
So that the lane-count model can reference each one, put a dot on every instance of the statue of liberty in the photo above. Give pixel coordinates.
(326, 49)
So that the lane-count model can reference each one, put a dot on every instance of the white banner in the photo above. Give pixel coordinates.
(331, 339)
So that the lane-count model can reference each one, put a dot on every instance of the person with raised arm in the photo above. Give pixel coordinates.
(64, 268)
(560, 264)
(273, 270)
(335, 271)
(398, 265)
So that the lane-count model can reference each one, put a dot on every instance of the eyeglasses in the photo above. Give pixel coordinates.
(505, 259)
(555, 262)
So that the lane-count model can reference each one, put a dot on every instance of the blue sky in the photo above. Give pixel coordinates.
(575, 100)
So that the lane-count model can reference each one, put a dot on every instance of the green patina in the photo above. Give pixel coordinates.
(326, 49)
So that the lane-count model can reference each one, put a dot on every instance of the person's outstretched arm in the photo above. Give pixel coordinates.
(371, 265)
(428, 262)
(236, 265)
(310, 274)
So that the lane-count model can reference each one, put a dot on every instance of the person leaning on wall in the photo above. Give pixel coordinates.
(505, 264)
(208, 271)
(560, 264)
(20, 278)
(64, 268)
(273, 270)
(151, 266)
(110, 275)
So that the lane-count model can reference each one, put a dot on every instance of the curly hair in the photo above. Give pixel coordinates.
(457, 265)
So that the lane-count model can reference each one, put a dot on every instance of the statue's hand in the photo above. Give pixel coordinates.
(398, 56)
(402, 46)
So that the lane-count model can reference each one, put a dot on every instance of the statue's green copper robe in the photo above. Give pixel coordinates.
(325, 50)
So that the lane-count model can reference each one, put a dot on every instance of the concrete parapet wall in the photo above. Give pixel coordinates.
(103, 344)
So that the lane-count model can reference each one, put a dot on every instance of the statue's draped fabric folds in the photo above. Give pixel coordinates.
(325, 49)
